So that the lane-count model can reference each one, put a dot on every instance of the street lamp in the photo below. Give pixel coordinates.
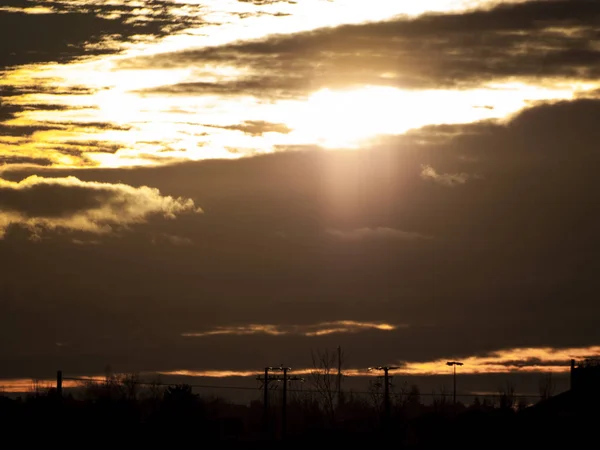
(454, 364)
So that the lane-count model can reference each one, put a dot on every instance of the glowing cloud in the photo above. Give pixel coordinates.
(533, 360)
(320, 329)
(34, 385)
(38, 204)
(544, 359)
(148, 105)
(445, 179)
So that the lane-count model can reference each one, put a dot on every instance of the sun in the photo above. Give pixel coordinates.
(345, 118)
(352, 117)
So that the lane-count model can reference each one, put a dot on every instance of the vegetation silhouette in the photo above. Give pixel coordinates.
(123, 411)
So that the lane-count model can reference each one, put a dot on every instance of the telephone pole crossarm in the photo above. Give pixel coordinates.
(386, 392)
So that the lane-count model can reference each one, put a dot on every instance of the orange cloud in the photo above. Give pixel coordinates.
(515, 360)
(16, 385)
(545, 359)
(319, 329)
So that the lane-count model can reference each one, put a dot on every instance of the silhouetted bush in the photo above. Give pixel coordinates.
(119, 412)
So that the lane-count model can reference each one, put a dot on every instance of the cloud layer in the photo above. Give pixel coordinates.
(333, 82)
(478, 228)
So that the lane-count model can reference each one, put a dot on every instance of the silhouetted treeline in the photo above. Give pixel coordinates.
(120, 412)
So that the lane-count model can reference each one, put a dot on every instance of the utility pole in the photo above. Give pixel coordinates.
(454, 364)
(386, 391)
(59, 383)
(266, 400)
(285, 380)
(284, 402)
(339, 376)
(265, 381)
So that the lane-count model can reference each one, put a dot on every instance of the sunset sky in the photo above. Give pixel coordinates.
(200, 187)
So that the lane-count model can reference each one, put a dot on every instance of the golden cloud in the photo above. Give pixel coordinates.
(544, 359)
(39, 204)
(319, 329)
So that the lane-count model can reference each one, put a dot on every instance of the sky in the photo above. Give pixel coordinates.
(210, 187)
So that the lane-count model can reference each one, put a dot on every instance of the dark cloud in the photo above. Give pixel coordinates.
(76, 30)
(510, 258)
(256, 127)
(12, 91)
(23, 130)
(531, 362)
(9, 110)
(26, 160)
(275, 86)
(550, 39)
(267, 2)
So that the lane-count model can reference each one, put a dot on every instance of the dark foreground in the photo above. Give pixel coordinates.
(177, 417)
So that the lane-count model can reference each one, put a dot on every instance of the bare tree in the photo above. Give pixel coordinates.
(325, 380)
(407, 394)
(130, 383)
(522, 404)
(507, 395)
(155, 390)
(546, 386)
(440, 401)
(35, 386)
(376, 394)
(39, 387)
(413, 396)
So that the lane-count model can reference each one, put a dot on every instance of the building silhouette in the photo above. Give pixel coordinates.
(585, 376)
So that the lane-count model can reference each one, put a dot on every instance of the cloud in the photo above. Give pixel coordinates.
(518, 43)
(554, 39)
(515, 252)
(255, 127)
(33, 385)
(39, 204)
(533, 361)
(542, 359)
(445, 179)
(385, 233)
(68, 30)
(172, 239)
(319, 329)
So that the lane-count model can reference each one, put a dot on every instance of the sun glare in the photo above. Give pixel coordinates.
(153, 115)
(345, 119)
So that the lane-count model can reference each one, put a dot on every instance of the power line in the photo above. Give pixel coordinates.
(285, 379)
(150, 383)
(307, 391)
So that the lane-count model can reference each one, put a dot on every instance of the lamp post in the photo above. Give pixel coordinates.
(454, 364)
